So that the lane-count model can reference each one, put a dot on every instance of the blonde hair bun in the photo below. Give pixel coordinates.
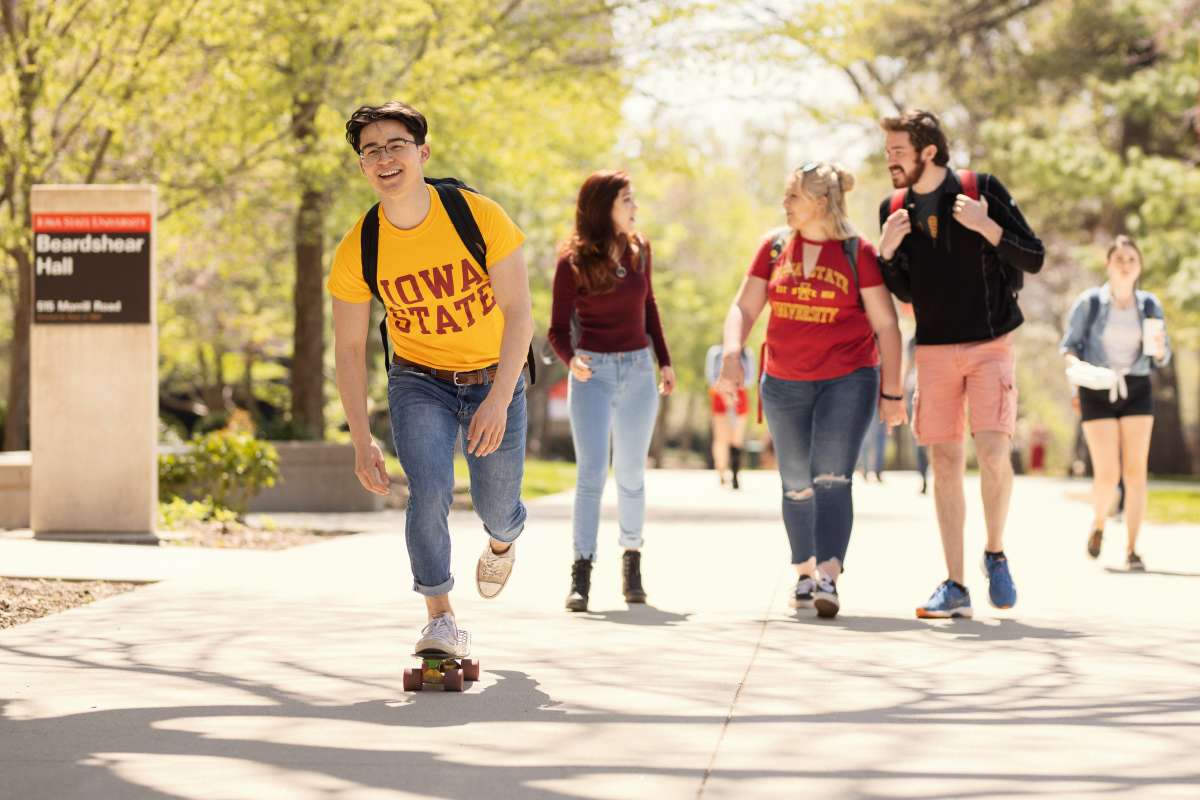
(845, 178)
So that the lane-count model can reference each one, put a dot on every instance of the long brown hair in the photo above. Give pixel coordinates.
(591, 243)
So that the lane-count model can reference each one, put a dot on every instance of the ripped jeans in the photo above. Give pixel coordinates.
(818, 428)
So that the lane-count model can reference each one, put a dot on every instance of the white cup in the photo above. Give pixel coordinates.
(1152, 329)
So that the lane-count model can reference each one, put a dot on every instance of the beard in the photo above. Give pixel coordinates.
(903, 180)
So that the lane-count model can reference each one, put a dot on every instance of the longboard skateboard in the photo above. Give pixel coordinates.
(443, 669)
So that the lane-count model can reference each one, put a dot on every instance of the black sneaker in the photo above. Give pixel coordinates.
(581, 585)
(1134, 562)
(802, 595)
(1094, 541)
(632, 577)
(825, 598)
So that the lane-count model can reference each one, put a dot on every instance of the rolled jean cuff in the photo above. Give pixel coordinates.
(509, 536)
(629, 540)
(435, 591)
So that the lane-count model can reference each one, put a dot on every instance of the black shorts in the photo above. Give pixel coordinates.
(1094, 404)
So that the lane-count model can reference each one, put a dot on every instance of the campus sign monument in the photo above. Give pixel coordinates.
(94, 370)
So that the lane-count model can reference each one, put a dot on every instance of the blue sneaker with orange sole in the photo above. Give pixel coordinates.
(948, 600)
(1001, 590)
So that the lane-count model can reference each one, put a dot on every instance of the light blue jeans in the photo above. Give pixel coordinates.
(429, 417)
(618, 404)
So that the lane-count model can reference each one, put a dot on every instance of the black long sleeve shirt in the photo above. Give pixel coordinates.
(961, 286)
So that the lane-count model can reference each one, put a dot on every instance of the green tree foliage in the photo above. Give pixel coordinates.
(236, 109)
(1087, 109)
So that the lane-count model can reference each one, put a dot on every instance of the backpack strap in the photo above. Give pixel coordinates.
(450, 192)
(778, 243)
(897, 201)
(850, 248)
(970, 183)
(1093, 311)
(368, 241)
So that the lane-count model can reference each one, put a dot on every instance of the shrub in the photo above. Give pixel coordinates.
(226, 469)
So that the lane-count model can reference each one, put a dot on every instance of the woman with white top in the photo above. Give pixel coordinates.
(1115, 334)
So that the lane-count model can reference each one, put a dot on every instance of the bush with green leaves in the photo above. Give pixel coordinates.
(226, 469)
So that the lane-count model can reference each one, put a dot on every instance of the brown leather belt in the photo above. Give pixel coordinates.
(469, 377)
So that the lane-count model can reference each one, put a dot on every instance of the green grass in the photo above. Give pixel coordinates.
(1174, 505)
(541, 477)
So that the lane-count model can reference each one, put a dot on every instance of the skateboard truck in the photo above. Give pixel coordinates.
(448, 671)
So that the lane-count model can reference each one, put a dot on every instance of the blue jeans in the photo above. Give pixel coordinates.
(618, 403)
(429, 417)
(818, 428)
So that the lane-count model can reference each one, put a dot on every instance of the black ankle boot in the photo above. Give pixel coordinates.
(581, 585)
(632, 573)
(735, 464)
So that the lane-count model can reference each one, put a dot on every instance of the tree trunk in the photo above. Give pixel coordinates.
(1168, 446)
(308, 338)
(16, 425)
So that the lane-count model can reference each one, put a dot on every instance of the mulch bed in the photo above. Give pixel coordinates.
(235, 535)
(25, 599)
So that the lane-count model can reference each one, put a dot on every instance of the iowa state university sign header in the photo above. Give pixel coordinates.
(91, 268)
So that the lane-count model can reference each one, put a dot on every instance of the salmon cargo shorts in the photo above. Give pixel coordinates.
(979, 375)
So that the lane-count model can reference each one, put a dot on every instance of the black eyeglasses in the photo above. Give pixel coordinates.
(394, 148)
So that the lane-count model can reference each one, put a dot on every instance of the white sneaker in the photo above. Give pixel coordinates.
(802, 595)
(825, 598)
(493, 569)
(442, 634)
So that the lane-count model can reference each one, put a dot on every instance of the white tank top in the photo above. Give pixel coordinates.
(1122, 338)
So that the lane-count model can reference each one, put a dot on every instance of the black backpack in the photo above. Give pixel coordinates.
(450, 191)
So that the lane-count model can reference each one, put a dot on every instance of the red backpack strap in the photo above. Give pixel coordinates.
(897, 201)
(970, 183)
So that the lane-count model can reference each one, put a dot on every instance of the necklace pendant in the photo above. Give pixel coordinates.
(621, 271)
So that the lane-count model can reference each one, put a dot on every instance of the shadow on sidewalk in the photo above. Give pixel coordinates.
(637, 614)
(1000, 630)
(1167, 572)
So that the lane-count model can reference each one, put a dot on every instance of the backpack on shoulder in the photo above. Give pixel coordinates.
(450, 192)
(970, 186)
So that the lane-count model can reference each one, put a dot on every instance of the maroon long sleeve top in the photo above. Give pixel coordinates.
(617, 321)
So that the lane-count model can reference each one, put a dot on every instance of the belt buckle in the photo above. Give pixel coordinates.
(454, 378)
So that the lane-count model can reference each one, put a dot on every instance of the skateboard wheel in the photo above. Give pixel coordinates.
(470, 669)
(412, 680)
(453, 680)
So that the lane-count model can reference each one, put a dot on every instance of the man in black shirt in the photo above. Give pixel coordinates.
(959, 261)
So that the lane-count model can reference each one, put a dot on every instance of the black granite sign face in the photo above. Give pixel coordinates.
(90, 268)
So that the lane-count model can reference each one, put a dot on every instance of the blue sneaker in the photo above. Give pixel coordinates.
(948, 600)
(1001, 590)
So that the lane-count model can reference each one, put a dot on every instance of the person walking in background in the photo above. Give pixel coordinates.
(459, 356)
(956, 246)
(728, 419)
(910, 390)
(603, 282)
(1115, 335)
(822, 372)
(872, 454)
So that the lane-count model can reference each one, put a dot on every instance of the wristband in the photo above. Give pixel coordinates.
(886, 396)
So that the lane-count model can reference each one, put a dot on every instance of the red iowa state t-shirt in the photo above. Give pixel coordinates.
(817, 329)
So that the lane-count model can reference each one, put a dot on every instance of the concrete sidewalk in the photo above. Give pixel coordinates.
(281, 678)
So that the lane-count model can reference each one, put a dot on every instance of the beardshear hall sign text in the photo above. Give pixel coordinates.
(91, 268)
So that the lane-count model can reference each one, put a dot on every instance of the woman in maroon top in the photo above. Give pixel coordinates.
(602, 288)
(829, 307)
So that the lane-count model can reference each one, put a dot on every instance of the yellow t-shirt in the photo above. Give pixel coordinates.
(441, 311)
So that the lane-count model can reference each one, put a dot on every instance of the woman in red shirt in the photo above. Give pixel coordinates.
(829, 307)
(602, 287)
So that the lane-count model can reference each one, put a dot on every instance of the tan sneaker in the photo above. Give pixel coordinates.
(493, 569)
